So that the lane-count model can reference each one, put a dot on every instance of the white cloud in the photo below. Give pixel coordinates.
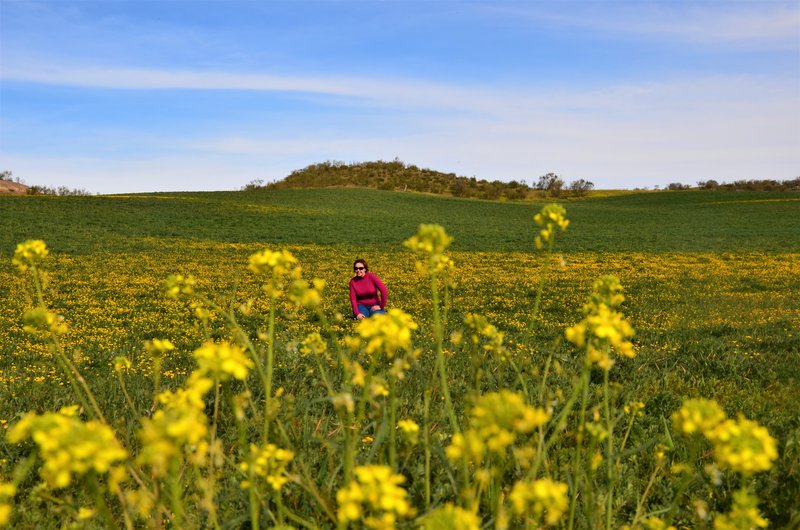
(771, 25)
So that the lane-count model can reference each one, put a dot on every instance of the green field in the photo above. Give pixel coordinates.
(712, 286)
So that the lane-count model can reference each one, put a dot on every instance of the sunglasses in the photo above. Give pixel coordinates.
(358, 268)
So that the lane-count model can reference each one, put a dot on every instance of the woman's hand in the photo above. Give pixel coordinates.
(360, 317)
(376, 308)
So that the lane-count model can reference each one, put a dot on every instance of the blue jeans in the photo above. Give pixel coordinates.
(367, 311)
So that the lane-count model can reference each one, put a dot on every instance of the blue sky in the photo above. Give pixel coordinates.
(115, 96)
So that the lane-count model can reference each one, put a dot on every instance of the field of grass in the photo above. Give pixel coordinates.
(712, 287)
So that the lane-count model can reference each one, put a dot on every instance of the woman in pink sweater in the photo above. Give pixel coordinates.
(367, 292)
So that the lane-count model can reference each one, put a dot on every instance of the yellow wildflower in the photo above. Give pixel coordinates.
(40, 321)
(273, 263)
(177, 285)
(307, 294)
(450, 517)
(482, 329)
(544, 496)
(179, 425)
(223, 360)
(550, 217)
(67, 445)
(744, 513)
(373, 497)
(314, 344)
(410, 430)
(743, 445)
(388, 332)
(634, 408)
(29, 254)
(268, 462)
(158, 348)
(7, 492)
(430, 240)
(121, 364)
(697, 415)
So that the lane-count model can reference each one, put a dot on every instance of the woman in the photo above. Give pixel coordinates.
(367, 292)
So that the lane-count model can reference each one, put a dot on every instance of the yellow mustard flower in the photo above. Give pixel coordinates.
(7, 492)
(268, 462)
(482, 331)
(410, 430)
(697, 416)
(544, 496)
(40, 321)
(373, 497)
(744, 513)
(743, 446)
(450, 517)
(67, 445)
(272, 263)
(29, 253)
(307, 294)
(223, 360)
(179, 426)
(158, 348)
(550, 217)
(178, 284)
(388, 332)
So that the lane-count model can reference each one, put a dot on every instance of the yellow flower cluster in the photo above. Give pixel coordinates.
(741, 445)
(307, 294)
(650, 523)
(410, 430)
(158, 348)
(29, 254)
(744, 513)
(495, 422)
(430, 240)
(550, 217)
(314, 345)
(603, 328)
(374, 497)
(222, 361)
(544, 496)
(178, 284)
(179, 424)
(7, 492)
(634, 408)
(268, 462)
(698, 416)
(451, 517)
(388, 332)
(67, 445)
(40, 321)
(481, 329)
(272, 263)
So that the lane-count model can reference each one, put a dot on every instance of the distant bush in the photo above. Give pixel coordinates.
(61, 191)
(743, 185)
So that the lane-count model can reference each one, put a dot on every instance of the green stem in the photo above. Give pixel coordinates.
(392, 425)
(440, 360)
(610, 458)
(576, 460)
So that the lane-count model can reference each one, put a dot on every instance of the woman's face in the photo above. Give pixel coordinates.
(359, 269)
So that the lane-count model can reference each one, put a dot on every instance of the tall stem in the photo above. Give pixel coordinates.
(440, 361)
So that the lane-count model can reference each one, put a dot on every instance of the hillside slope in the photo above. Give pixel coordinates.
(398, 176)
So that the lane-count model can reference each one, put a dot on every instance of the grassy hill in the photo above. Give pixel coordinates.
(398, 176)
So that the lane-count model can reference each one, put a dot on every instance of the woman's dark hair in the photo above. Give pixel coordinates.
(363, 262)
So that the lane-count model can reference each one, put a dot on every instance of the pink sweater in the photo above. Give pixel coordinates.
(365, 291)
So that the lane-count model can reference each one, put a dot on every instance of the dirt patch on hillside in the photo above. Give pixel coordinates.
(8, 187)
